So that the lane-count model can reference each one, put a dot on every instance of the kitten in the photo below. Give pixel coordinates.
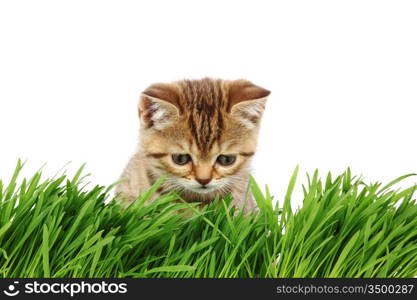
(202, 134)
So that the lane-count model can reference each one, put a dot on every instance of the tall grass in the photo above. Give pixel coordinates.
(61, 227)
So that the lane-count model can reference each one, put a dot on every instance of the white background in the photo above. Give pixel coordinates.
(343, 77)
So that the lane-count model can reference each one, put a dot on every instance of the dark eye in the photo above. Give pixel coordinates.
(226, 160)
(181, 159)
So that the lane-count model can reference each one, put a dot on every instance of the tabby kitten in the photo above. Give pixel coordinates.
(202, 134)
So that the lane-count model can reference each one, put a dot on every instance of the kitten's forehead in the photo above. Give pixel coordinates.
(203, 112)
(204, 106)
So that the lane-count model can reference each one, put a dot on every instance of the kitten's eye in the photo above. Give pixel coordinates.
(226, 160)
(181, 159)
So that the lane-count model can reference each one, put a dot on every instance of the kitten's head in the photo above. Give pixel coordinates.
(201, 133)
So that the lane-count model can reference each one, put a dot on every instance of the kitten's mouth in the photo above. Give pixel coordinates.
(203, 189)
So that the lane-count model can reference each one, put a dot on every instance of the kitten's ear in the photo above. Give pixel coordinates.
(247, 102)
(158, 106)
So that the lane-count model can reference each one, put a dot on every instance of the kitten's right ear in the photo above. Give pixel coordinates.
(158, 106)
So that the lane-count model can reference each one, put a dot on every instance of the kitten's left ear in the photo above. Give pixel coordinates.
(158, 106)
(247, 102)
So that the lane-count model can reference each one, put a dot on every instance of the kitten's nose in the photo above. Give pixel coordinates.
(203, 181)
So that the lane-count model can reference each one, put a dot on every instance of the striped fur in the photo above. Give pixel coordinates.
(204, 119)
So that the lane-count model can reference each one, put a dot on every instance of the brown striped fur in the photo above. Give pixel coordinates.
(204, 119)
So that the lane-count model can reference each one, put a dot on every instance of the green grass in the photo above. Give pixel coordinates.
(61, 227)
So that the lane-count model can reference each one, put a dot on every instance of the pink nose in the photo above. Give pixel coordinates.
(203, 181)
